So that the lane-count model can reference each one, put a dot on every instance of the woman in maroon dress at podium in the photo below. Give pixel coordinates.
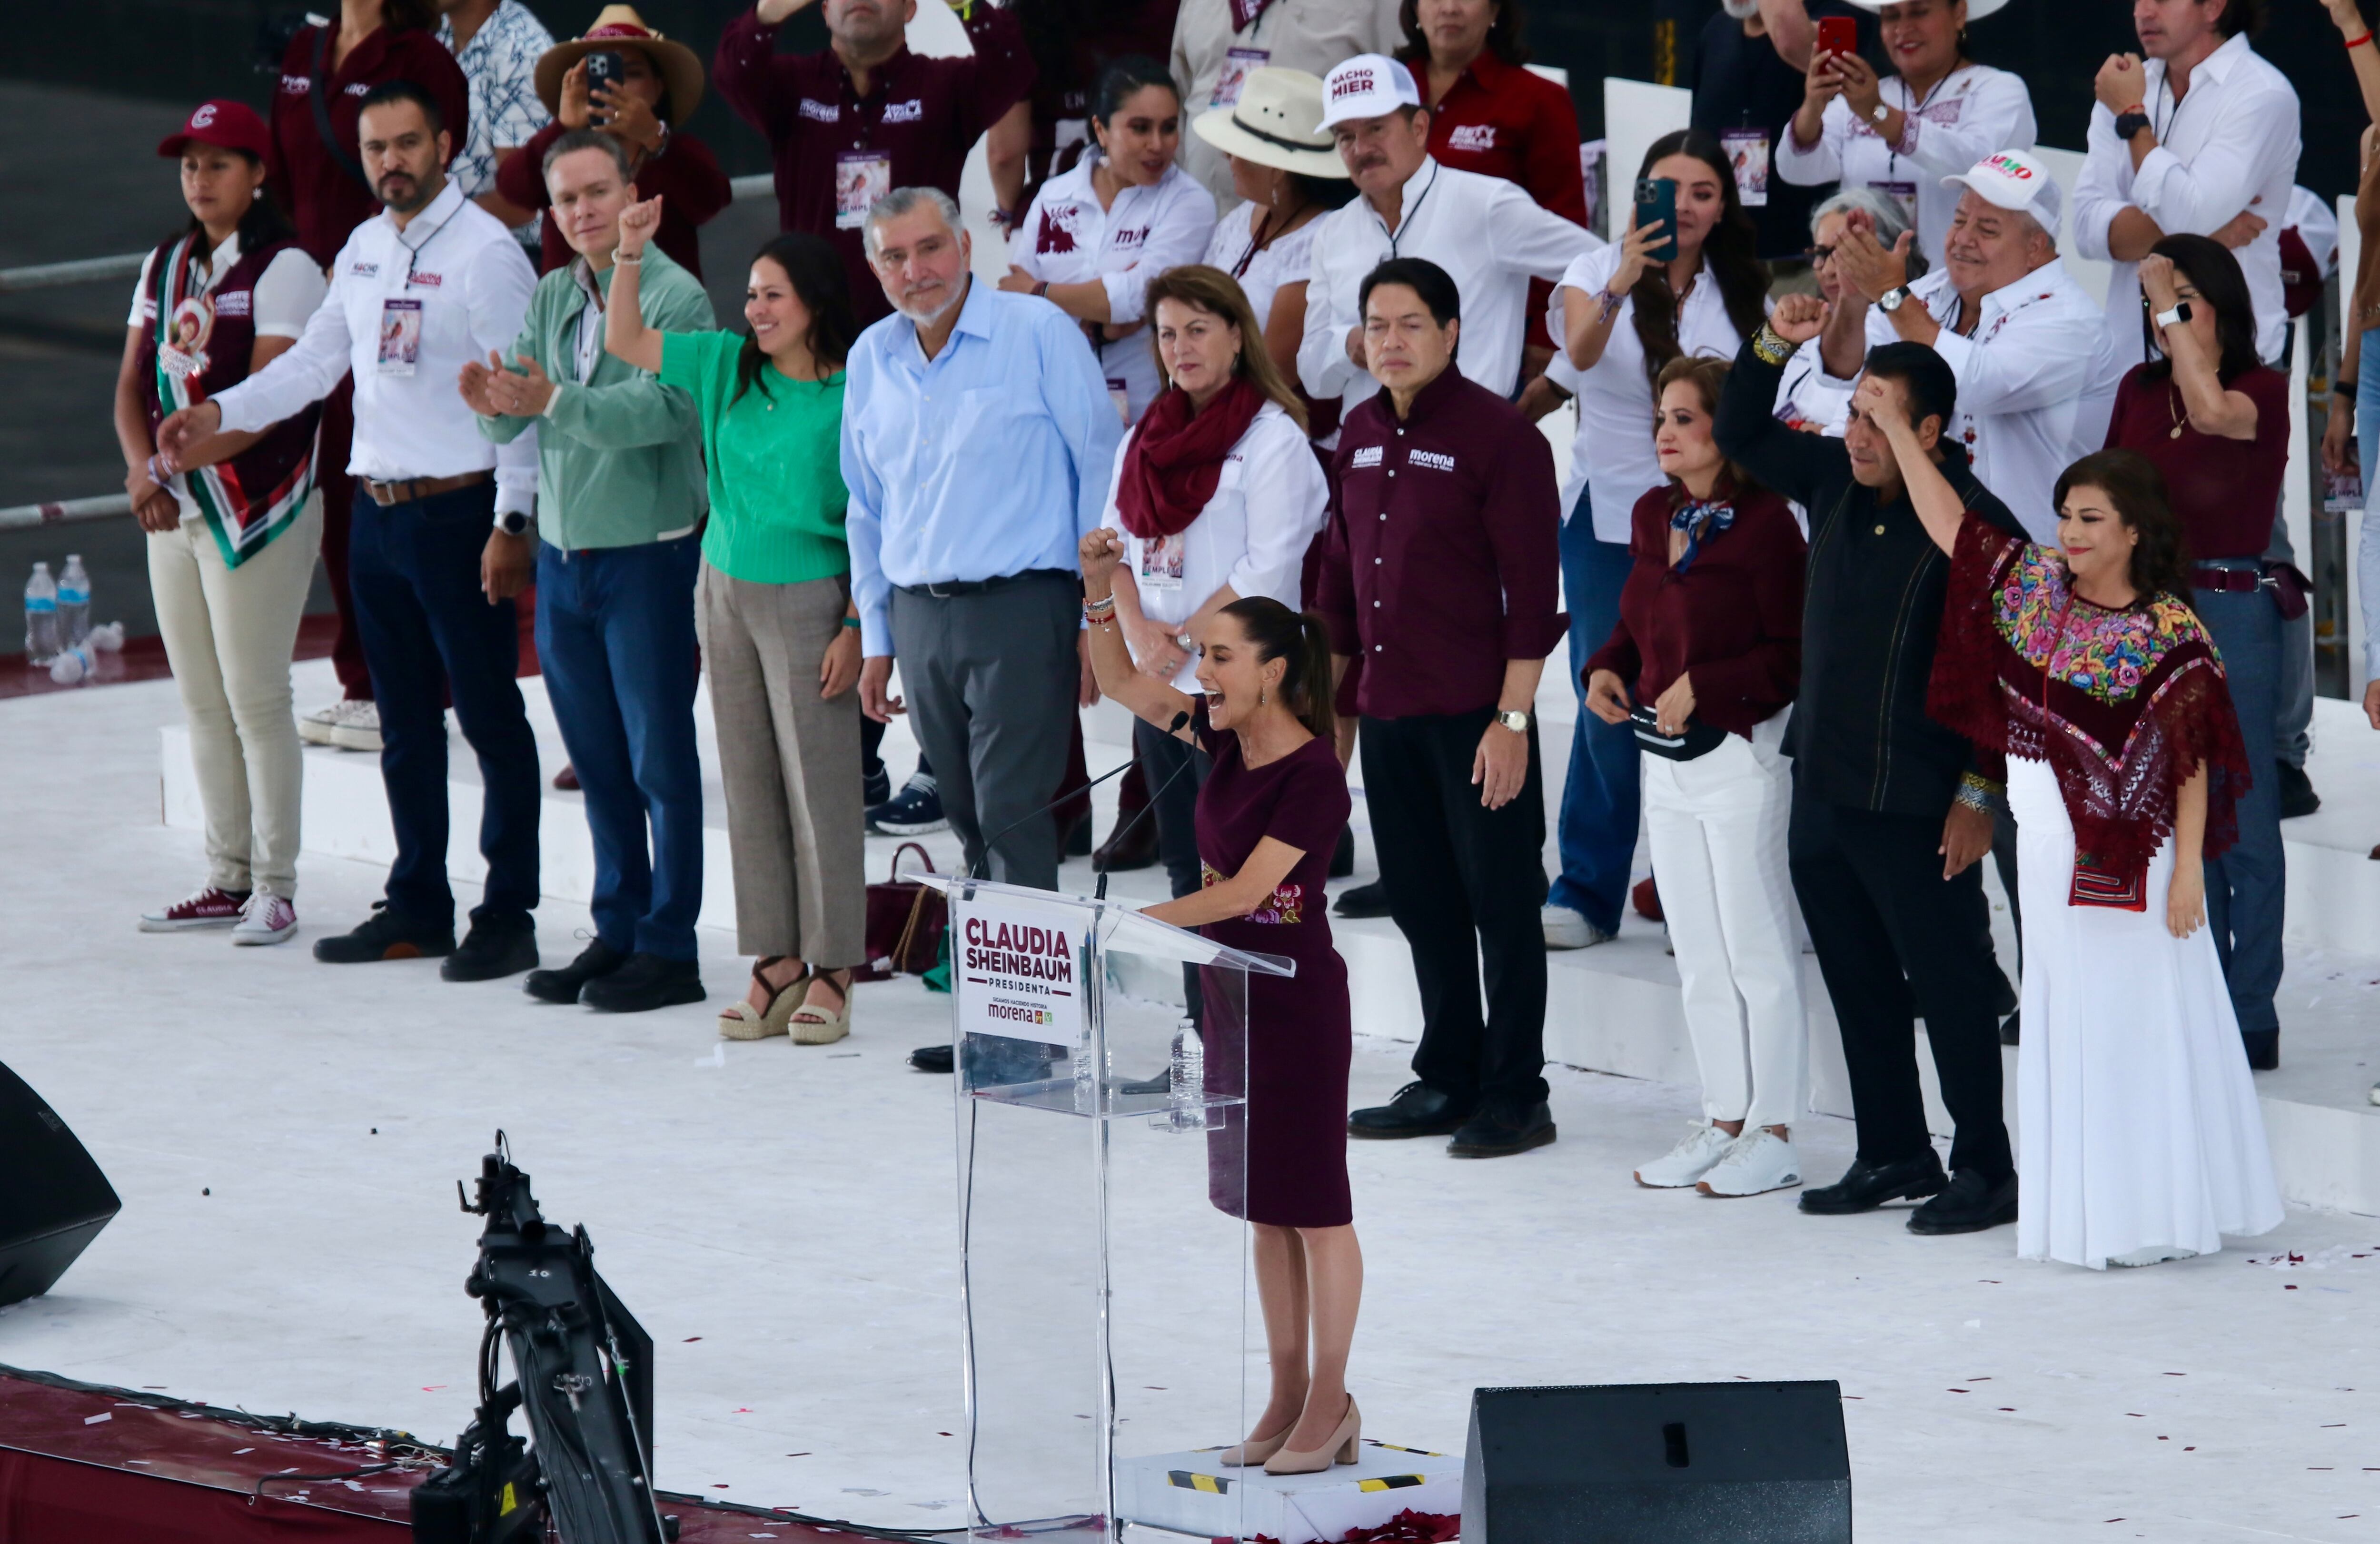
(1270, 813)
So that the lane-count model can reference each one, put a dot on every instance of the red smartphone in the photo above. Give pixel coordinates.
(1838, 34)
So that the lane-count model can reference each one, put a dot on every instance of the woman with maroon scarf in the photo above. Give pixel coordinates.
(1216, 495)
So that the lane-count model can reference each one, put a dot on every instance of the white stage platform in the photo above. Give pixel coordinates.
(285, 1136)
(1611, 1009)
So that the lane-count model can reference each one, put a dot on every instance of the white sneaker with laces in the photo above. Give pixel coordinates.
(315, 728)
(355, 726)
(1689, 1160)
(1756, 1162)
(1567, 929)
(265, 919)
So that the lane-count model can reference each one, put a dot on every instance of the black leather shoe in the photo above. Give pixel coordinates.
(931, 1058)
(2298, 796)
(1864, 1186)
(1418, 1110)
(1970, 1204)
(1494, 1132)
(2263, 1046)
(488, 952)
(1132, 844)
(1364, 900)
(1078, 841)
(644, 983)
(598, 959)
(2008, 1028)
(1342, 857)
(386, 934)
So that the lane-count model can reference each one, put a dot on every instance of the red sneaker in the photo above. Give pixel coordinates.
(211, 907)
(1647, 900)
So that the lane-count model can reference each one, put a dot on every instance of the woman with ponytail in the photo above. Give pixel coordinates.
(1623, 313)
(1268, 814)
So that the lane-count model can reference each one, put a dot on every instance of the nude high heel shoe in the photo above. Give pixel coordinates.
(1255, 1451)
(1340, 1447)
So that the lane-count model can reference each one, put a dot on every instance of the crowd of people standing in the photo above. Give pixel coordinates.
(1879, 553)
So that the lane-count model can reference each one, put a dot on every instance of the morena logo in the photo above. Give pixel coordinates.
(1353, 82)
(2009, 166)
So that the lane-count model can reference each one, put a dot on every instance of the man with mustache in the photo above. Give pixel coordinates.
(440, 542)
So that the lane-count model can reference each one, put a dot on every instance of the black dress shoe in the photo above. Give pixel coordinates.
(644, 983)
(489, 951)
(2298, 796)
(1971, 1203)
(596, 959)
(2008, 1027)
(931, 1058)
(1500, 1133)
(386, 934)
(1132, 844)
(1078, 841)
(1418, 1110)
(2263, 1046)
(1864, 1186)
(1342, 857)
(1364, 900)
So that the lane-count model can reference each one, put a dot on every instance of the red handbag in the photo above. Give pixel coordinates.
(905, 922)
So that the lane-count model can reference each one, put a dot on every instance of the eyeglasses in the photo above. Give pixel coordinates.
(1819, 254)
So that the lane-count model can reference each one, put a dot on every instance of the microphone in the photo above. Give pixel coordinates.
(984, 859)
(1100, 892)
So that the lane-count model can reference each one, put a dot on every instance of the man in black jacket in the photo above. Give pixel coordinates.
(1890, 809)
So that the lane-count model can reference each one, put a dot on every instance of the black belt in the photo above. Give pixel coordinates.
(953, 588)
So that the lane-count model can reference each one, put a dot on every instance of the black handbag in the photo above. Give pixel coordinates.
(1699, 739)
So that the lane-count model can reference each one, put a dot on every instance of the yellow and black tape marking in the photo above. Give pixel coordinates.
(1392, 1482)
(1391, 1447)
(1182, 1480)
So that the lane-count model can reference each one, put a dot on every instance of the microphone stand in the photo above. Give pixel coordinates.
(983, 860)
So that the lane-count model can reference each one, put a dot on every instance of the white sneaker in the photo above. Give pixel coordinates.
(355, 725)
(1689, 1160)
(265, 919)
(1757, 1160)
(315, 728)
(1567, 929)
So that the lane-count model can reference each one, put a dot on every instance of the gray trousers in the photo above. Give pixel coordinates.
(990, 681)
(790, 760)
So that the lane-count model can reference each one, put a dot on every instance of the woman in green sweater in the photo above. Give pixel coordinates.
(773, 607)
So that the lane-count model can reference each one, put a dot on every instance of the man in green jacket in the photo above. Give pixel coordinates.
(620, 491)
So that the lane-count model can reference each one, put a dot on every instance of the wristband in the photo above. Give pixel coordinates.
(629, 258)
(851, 621)
(2342, 388)
(1770, 348)
(1041, 289)
(1976, 792)
(2358, 43)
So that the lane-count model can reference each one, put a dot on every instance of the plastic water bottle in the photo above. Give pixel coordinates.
(41, 616)
(77, 664)
(1187, 1092)
(73, 602)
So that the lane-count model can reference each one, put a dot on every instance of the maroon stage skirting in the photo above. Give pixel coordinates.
(85, 1465)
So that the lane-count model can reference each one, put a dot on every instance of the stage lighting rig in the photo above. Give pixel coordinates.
(584, 1378)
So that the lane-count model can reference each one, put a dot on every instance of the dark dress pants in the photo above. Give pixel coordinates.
(427, 631)
(1465, 885)
(1896, 942)
(615, 638)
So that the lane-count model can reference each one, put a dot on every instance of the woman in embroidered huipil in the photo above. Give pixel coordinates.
(2140, 1138)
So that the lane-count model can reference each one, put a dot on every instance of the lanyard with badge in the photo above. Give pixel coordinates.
(1746, 149)
(1239, 61)
(400, 314)
(862, 175)
(1903, 191)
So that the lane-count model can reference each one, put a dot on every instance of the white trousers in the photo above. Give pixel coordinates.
(229, 634)
(1717, 829)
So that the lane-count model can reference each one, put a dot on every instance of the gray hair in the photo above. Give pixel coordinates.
(589, 139)
(1882, 209)
(906, 200)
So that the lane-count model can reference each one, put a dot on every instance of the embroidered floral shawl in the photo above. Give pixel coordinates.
(2123, 705)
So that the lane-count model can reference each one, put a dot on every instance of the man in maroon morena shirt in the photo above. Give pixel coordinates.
(862, 118)
(1442, 572)
(322, 185)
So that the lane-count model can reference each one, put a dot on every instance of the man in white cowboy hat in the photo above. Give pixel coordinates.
(2025, 340)
(1218, 46)
(1488, 233)
(660, 84)
(497, 43)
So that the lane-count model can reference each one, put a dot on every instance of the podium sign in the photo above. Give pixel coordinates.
(1101, 1144)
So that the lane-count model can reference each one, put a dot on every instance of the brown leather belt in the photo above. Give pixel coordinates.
(412, 488)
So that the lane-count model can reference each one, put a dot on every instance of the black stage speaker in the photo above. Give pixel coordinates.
(54, 1201)
(1658, 1463)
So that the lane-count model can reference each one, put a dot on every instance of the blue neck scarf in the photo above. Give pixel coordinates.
(1699, 518)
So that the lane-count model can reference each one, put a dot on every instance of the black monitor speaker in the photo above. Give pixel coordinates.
(1658, 1463)
(54, 1201)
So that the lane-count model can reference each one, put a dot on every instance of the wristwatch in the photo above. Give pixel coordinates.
(1513, 720)
(2128, 122)
(2181, 313)
(512, 522)
(1184, 642)
(1890, 300)
(1877, 114)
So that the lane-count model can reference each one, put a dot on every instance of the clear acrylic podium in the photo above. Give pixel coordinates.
(1101, 1144)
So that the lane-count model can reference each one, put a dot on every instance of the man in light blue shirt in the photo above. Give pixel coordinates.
(978, 434)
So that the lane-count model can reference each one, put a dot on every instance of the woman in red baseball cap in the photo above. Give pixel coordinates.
(233, 524)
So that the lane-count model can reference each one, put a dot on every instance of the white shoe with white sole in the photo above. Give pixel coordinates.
(1565, 928)
(1757, 1161)
(1689, 1160)
(265, 919)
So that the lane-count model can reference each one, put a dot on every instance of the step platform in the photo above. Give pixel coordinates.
(1190, 1494)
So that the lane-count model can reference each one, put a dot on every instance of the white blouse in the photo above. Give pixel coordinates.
(1068, 237)
(1252, 535)
(1969, 113)
(1289, 261)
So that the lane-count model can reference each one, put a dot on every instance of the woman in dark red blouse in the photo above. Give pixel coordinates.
(1709, 644)
(2215, 421)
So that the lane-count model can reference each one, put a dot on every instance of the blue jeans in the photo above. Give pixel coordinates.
(427, 631)
(615, 638)
(2245, 887)
(1597, 832)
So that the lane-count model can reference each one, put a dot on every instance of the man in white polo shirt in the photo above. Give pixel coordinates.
(1487, 232)
(2029, 346)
